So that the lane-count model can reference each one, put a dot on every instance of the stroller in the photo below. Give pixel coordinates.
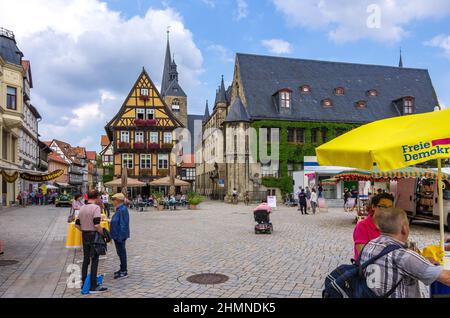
(262, 219)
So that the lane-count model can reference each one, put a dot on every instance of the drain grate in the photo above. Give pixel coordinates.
(207, 279)
(7, 262)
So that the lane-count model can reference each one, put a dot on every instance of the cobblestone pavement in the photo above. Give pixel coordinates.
(167, 247)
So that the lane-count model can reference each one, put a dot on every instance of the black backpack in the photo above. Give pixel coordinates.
(348, 281)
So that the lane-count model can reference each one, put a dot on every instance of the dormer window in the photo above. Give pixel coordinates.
(372, 93)
(285, 98)
(361, 104)
(339, 91)
(327, 102)
(408, 105)
(305, 89)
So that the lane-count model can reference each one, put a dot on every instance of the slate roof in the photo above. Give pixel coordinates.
(206, 115)
(262, 76)
(221, 96)
(238, 112)
(8, 48)
(174, 89)
(191, 127)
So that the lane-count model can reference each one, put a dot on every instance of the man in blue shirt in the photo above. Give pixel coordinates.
(120, 232)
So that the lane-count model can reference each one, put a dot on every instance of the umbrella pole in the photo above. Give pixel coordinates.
(441, 204)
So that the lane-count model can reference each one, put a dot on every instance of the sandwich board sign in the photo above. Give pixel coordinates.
(272, 201)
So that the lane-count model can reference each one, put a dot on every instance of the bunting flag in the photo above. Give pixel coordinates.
(42, 178)
(10, 178)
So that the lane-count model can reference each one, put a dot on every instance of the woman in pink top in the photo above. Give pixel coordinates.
(263, 206)
(366, 230)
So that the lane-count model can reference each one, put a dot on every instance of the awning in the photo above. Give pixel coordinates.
(130, 183)
(375, 174)
(166, 182)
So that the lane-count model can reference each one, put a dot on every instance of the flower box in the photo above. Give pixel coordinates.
(123, 145)
(145, 122)
(167, 146)
(153, 146)
(140, 146)
(163, 172)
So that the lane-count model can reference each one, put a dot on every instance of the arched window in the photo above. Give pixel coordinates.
(361, 104)
(372, 93)
(305, 89)
(327, 102)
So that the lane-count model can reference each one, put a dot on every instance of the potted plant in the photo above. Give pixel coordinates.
(159, 200)
(194, 199)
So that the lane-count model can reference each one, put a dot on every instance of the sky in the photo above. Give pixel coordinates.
(86, 54)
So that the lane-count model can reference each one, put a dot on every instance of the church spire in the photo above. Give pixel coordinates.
(221, 94)
(206, 115)
(167, 63)
(400, 62)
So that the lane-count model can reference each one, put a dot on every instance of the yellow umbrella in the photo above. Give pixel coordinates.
(392, 144)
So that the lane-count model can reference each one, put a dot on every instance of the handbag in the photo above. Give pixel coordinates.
(100, 244)
(71, 217)
(107, 235)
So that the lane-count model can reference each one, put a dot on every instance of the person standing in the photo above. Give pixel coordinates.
(308, 197)
(302, 202)
(105, 200)
(313, 200)
(120, 232)
(320, 188)
(77, 203)
(88, 222)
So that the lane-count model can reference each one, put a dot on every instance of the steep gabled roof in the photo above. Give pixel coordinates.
(53, 156)
(238, 112)
(174, 89)
(91, 155)
(104, 141)
(262, 76)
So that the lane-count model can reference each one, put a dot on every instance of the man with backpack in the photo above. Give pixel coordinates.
(386, 267)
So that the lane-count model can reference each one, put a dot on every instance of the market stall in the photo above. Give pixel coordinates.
(396, 143)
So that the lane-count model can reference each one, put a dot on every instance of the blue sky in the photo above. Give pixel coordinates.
(86, 54)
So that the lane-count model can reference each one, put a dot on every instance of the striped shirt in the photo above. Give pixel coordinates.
(402, 265)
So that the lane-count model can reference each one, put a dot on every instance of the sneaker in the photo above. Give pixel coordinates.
(98, 290)
(116, 274)
(121, 275)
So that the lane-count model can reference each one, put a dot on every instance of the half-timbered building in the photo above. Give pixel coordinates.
(142, 133)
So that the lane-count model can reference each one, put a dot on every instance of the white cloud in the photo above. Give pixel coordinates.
(441, 41)
(242, 10)
(277, 46)
(80, 49)
(210, 3)
(224, 54)
(347, 20)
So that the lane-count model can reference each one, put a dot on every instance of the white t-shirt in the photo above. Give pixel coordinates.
(105, 198)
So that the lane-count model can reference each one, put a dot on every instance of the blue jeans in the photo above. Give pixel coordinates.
(122, 253)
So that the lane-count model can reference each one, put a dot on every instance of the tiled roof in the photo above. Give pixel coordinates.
(263, 76)
(53, 156)
(104, 141)
(91, 155)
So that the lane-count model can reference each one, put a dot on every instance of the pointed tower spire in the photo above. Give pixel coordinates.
(206, 115)
(400, 62)
(167, 62)
(222, 93)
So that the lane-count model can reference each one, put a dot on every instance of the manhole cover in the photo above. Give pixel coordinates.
(7, 262)
(207, 279)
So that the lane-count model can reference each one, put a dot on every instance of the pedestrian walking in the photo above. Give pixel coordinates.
(308, 198)
(313, 200)
(120, 232)
(88, 222)
(302, 202)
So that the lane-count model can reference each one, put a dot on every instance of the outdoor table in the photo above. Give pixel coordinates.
(74, 238)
